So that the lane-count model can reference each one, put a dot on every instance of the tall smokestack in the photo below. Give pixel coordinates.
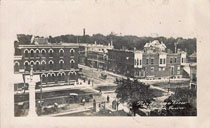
(84, 35)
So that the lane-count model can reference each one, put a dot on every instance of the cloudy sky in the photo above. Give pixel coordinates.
(130, 17)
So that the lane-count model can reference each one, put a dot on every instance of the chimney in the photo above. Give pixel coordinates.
(95, 43)
(84, 35)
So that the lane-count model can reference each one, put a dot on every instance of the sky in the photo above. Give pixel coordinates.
(169, 18)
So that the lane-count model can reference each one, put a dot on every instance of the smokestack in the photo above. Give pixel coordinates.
(84, 35)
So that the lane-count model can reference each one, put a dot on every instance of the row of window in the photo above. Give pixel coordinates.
(43, 65)
(137, 62)
(43, 52)
(52, 77)
(162, 61)
(44, 62)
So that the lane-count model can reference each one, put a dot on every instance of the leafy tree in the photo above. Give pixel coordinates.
(134, 93)
(182, 103)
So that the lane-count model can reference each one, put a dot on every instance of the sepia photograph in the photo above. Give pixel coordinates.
(105, 63)
(105, 75)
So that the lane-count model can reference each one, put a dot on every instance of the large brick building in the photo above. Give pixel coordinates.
(154, 62)
(54, 63)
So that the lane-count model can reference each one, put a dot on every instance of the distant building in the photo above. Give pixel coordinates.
(121, 62)
(94, 55)
(193, 70)
(55, 63)
(152, 62)
(193, 57)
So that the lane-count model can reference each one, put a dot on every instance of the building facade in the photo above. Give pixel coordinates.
(121, 62)
(55, 63)
(154, 62)
(94, 55)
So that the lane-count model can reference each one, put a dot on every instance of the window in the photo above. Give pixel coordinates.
(152, 69)
(152, 61)
(43, 63)
(61, 62)
(32, 53)
(171, 60)
(164, 61)
(137, 62)
(134, 61)
(26, 53)
(61, 51)
(182, 60)
(174, 60)
(72, 52)
(43, 76)
(140, 62)
(72, 75)
(27, 67)
(51, 64)
(161, 61)
(51, 54)
(72, 63)
(147, 61)
(43, 52)
(16, 68)
(37, 65)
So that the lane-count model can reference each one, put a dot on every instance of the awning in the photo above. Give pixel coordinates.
(18, 78)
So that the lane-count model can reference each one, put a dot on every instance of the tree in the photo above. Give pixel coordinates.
(134, 93)
(181, 103)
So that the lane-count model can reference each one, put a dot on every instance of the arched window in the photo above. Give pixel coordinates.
(43, 78)
(50, 52)
(61, 63)
(72, 63)
(43, 52)
(43, 63)
(32, 52)
(72, 52)
(49, 75)
(32, 63)
(72, 75)
(59, 77)
(51, 64)
(37, 66)
(26, 66)
(26, 52)
(53, 77)
(61, 51)
(37, 51)
(16, 67)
